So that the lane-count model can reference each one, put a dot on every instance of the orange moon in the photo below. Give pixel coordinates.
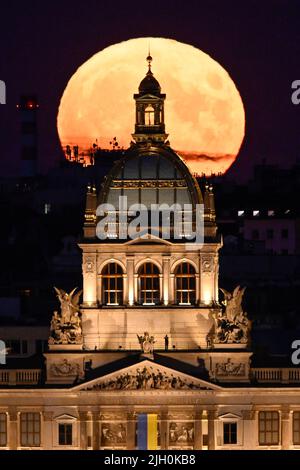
(204, 113)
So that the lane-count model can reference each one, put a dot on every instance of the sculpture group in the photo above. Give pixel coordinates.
(232, 324)
(66, 326)
(145, 379)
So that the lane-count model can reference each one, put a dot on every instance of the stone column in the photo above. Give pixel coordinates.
(95, 428)
(164, 431)
(172, 296)
(125, 290)
(131, 431)
(198, 292)
(12, 438)
(130, 295)
(166, 279)
(198, 430)
(249, 432)
(211, 417)
(286, 438)
(89, 279)
(99, 289)
(83, 431)
(47, 437)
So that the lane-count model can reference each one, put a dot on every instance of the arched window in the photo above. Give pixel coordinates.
(112, 284)
(149, 115)
(149, 284)
(185, 284)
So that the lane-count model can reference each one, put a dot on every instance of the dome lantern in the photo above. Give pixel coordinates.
(149, 125)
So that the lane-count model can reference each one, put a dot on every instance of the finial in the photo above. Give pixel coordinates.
(149, 59)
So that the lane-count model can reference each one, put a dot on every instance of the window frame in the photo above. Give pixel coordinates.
(65, 424)
(27, 423)
(5, 432)
(149, 283)
(272, 441)
(230, 423)
(296, 442)
(179, 278)
(112, 295)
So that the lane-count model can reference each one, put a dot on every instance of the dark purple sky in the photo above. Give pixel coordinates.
(42, 43)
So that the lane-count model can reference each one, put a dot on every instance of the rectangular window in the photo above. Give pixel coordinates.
(284, 233)
(30, 429)
(268, 425)
(65, 434)
(296, 428)
(230, 433)
(3, 430)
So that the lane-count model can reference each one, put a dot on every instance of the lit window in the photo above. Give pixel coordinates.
(3, 430)
(112, 284)
(229, 433)
(30, 429)
(241, 213)
(296, 428)
(65, 434)
(268, 425)
(47, 208)
(149, 115)
(185, 284)
(149, 284)
(255, 213)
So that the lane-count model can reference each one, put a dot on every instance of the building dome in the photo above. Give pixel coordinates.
(148, 176)
(149, 85)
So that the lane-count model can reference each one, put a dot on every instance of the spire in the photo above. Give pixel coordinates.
(209, 204)
(149, 60)
(90, 212)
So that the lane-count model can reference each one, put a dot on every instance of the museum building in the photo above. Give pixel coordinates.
(149, 335)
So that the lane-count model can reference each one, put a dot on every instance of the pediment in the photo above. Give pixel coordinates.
(65, 417)
(229, 417)
(147, 376)
(148, 238)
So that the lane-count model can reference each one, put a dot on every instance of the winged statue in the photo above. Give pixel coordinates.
(66, 326)
(233, 302)
(69, 303)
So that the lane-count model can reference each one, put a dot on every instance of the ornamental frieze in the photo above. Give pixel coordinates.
(136, 184)
(146, 378)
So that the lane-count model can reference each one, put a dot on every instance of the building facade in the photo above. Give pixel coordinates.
(150, 335)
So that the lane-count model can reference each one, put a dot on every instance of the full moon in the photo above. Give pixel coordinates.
(204, 113)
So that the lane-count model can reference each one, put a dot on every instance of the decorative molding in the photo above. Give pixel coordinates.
(65, 368)
(230, 368)
(152, 184)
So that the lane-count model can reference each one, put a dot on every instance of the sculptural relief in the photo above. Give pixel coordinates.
(64, 368)
(113, 434)
(146, 379)
(181, 433)
(65, 327)
(230, 368)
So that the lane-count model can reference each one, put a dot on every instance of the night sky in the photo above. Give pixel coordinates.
(42, 43)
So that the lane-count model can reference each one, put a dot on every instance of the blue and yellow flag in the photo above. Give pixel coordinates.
(147, 432)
